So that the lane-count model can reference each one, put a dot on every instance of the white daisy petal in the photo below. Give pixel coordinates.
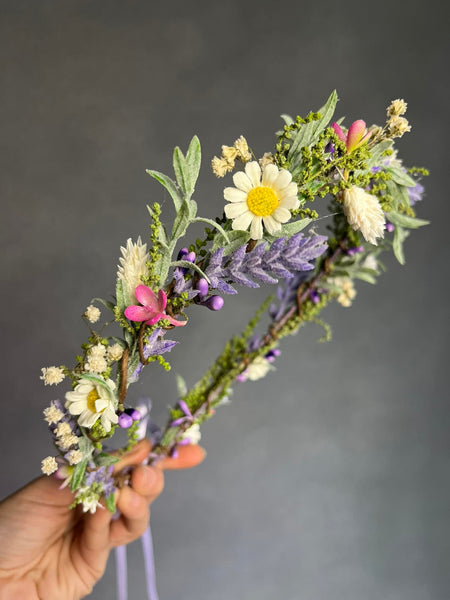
(253, 171)
(290, 202)
(269, 175)
(235, 210)
(291, 189)
(256, 230)
(76, 408)
(283, 180)
(234, 195)
(242, 182)
(281, 214)
(242, 222)
(271, 225)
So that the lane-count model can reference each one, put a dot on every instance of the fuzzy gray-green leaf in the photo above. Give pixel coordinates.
(401, 177)
(406, 221)
(181, 222)
(400, 235)
(193, 160)
(181, 170)
(78, 474)
(169, 184)
(236, 240)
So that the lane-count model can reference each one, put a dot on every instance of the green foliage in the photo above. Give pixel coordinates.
(78, 474)
(110, 503)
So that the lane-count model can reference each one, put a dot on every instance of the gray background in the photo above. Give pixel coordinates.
(329, 479)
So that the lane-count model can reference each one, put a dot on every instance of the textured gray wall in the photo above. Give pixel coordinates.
(328, 480)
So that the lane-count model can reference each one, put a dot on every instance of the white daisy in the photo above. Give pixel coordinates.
(93, 401)
(261, 196)
(132, 265)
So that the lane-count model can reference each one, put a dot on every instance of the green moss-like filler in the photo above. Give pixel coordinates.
(98, 432)
(152, 280)
(133, 437)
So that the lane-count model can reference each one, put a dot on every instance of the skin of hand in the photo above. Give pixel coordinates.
(52, 553)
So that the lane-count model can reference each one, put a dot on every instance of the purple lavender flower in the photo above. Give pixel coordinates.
(103, 476)
(415, 193)
(282, 259)
(155, 345)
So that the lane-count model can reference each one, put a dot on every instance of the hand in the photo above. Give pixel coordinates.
(52, 553)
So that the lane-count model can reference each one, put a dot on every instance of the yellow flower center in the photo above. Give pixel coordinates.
(92, 397)
(262, 201)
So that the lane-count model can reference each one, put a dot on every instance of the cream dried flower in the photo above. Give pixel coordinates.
(66, 441)
(193, 434)
(132, 265)
(266, 159)
(74, 457)
(63, 429)
(92, 313)
(97, 350)
(96, 364)
(261, 196)
(364, 213)
(257, 369)
(114, 352)
(49, 465)
(348, 291)
(396, 108)
(229, 153)
(220, 166)
(52, 375)
(52, 414)
(397, 126)
(242, 149)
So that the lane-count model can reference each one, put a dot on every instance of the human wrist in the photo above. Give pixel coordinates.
(18, 589)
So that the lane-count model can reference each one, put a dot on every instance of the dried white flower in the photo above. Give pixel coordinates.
(229, 154)
(63, 429)
(267, 159)
(53, 414)
(220, 166)
(242, 149)
(49, 465)
(52, 375)
(74, 457)
(398, 126)
(257, 369)
(364, 213)
(92, 313)
(66, 441)
(114, 352)
(132, 265)
(96, 364)
(97, 350)
(396, 108)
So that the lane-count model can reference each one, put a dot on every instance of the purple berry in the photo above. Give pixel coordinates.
(134, 414)
(182, 253)
(190, 257)
(214, 303)
(125, 421)
(202, 286)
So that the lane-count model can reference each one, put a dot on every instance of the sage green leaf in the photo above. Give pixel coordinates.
(169, 184)
(133, 363)
(122, 297)
(290, 229)
(181, 170)
(78, 474)
(110, 503)
(192, 208)
(105, 460)
(287, 119)
(309, 132)
(181, 221)
(368, 275)
(188, 265)
(377, 155)
(400, 235)
(236, 239)
(401, 177)
(193, 159)
(406, 221)
(86, 446)
(106, 303)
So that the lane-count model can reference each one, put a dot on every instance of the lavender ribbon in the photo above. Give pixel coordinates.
(121, 572)
(149, 562)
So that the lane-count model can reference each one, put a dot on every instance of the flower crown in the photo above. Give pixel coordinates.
(266, 235)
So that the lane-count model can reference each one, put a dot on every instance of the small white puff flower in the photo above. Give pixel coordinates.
(364, 213)
(74, 457)
(49, 465)
(97, 350)
(396, 108)
(261, 196)
(52, 414)
(242, 149)
(220, 166)
(114, 352)
(398, 126)
(92, 313)
(229, 154)
(193, 434)
(96, 364)
(52, 375)
(132, 265)
(63, 429)
(66, 441)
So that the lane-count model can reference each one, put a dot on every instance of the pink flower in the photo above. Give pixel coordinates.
(152, 309)
(355, 137)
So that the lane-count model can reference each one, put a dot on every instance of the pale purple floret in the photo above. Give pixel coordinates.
(102, 475)
(155, 345)
(415, 193)
(283, 259)
(286, 295)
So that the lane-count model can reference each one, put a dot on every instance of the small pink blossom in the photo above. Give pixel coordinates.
(152, 309)
(355, 137)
